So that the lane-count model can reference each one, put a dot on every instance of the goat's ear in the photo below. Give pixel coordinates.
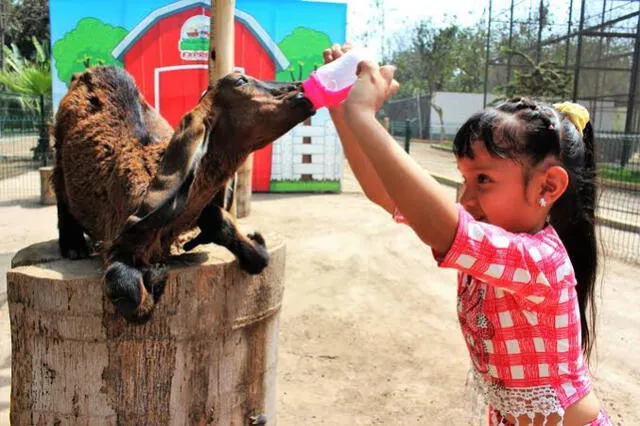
(168, 192)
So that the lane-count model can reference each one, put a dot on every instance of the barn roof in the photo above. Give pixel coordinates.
(249, 21)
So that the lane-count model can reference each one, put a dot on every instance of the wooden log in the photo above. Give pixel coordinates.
(207, 357)
(47, 194)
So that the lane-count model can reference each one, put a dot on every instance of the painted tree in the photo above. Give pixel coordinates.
(81, 48)
(303, 48)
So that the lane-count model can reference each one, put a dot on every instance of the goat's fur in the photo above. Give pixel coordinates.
(130, 183)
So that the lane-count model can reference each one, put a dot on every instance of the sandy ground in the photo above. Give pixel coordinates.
(368, 328)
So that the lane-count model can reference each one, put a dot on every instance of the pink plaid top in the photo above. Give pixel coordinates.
(518, 311)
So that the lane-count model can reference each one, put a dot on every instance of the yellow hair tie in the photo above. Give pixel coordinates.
(578, 114)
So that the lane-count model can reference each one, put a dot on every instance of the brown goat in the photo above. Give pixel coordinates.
(130, 183)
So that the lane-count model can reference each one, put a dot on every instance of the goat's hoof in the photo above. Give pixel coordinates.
(257, 259)
(257, 238)
(258, 420)
(154, 279)
(126, 289)
(75, 249)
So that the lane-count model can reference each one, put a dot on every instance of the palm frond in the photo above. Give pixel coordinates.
(28, 78)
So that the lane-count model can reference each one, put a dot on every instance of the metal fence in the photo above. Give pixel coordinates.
(619, 203)
(24, 145)
(618, 160)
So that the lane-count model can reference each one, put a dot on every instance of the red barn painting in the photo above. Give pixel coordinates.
(167, 52)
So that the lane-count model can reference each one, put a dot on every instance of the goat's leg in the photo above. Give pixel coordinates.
(134, 291)
(71, 239)
(218, 227)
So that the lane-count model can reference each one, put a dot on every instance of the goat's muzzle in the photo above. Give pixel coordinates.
(301, 101)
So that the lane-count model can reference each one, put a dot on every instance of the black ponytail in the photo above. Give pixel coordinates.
(573, 217)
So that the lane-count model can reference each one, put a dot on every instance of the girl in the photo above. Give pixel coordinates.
(522, 240)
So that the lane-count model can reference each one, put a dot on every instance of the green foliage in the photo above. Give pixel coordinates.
(30, 78)
(303, 48)
(89, 43)
(439, 59)
(27, 19)
(546, 80)
(619, 174)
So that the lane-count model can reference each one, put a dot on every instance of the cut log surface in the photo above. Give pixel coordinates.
(208, 356)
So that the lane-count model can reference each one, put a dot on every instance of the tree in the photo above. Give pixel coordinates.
(437, 59)
(30, 78)
(467, 75)
(6, 11)
(544, 79)
(433, 59)
(27, 19)
(303, 48)
(81, 48)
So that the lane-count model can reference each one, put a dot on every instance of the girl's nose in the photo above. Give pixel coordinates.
(467, 197)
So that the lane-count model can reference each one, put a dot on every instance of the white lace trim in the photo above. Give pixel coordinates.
(515, 402)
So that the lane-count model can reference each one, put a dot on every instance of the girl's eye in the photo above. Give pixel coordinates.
(482, 178)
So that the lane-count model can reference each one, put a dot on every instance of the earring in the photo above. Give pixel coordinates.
(542, 202)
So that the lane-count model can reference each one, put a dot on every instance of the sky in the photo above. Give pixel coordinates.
(402, 14)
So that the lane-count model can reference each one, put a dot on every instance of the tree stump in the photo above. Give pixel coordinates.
(207, 357)
(47, 194)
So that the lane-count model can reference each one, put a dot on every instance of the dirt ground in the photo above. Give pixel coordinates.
(368, 327)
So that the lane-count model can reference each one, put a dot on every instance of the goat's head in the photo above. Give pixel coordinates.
(233, 118)
(246, 114)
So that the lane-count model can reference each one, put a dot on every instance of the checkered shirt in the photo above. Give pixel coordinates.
(518, 308)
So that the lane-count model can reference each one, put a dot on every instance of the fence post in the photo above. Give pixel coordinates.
(407, 134)
(626, 150)
(42, 151)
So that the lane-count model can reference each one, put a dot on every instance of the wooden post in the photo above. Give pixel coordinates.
(47, 194)
(208, 355)
(221, 63)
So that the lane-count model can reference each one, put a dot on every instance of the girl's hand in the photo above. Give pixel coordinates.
(335, 51)
(330, 55)
(374, 85)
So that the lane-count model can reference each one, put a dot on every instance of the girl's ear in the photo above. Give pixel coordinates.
(554, 182)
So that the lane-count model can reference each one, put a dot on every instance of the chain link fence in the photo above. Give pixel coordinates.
(24, 145)
(618, 160)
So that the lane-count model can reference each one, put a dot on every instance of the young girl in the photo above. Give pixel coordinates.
(522, 240)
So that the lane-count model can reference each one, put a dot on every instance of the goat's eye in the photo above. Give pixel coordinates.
(241, 81)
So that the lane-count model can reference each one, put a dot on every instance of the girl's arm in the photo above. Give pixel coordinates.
(359, 163)
(417, 195)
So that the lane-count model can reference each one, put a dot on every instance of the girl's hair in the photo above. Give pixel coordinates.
(522, 128)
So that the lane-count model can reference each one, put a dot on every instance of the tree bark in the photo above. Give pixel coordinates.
(207, 357)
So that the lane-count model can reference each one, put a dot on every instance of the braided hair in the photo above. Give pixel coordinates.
(523, 129)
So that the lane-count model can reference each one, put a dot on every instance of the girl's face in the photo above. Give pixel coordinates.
(494, 192)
